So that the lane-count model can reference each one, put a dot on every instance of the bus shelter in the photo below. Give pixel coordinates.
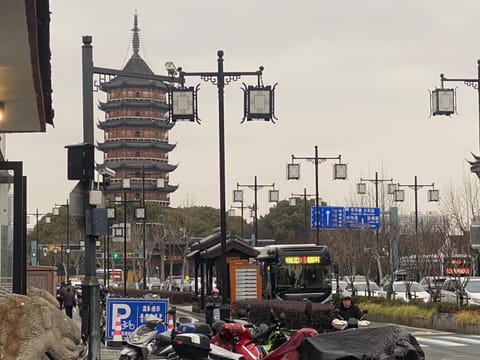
(206, 255)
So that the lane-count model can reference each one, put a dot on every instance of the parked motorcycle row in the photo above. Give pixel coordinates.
(235, 338)
(228, 339)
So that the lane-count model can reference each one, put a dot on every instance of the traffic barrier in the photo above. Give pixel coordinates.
(117, 332)
(171, 324)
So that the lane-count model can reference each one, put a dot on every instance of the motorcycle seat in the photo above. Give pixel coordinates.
(164, 338)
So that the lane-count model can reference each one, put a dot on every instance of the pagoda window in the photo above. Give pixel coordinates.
(137, 154)
(137, 113)
(137, 174)
(137, 196)
(138, 94)
(137, 133)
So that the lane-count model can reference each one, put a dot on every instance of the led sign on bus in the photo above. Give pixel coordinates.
(295, 260)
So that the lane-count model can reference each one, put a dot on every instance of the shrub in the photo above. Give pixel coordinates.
(467, 317)
(175, 297)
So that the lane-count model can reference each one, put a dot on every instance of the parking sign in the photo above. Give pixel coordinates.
(131, 313)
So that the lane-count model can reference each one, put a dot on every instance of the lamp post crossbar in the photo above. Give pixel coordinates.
(255, 186)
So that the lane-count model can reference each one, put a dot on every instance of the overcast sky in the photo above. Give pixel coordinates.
(353, 78)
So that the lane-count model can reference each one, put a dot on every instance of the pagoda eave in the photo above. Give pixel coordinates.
(138, 122)
(138, 187)
(147, 143)
(104, 106)
(139, 164)
(121, 82)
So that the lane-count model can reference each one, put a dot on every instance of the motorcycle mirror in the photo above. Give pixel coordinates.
(337, 311)
(365, 311)
(273, 318)
(282, 316)
(172, 310)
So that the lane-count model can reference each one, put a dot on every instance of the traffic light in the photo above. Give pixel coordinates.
(115, 255)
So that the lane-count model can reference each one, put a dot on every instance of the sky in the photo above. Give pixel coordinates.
(353, 78)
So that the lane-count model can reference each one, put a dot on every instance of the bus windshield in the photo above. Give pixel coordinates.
(296, 272)
(300, 276)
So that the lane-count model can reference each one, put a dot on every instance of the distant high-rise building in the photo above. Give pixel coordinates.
(136, 130)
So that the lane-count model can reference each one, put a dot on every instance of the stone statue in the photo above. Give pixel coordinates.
(33, 327)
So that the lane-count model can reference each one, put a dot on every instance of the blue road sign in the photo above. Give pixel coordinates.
(362, 218)
(328, 217)
(132, 312)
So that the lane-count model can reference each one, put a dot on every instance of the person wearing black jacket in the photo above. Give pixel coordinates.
(347, 309)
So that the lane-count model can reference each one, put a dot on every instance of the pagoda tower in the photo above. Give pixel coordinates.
(136, 130)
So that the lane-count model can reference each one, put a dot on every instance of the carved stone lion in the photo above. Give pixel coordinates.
(33, 327)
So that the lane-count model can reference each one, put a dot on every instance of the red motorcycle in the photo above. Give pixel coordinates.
(236, 338)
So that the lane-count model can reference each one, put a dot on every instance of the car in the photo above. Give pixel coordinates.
(341, 286)
(75, 282)
(361, 288)
(461, 289)
(433, 284)
(177, 283)
(154, 283)
(199, 283)
(406, 291)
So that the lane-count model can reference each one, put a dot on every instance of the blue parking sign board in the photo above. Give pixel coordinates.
(131, 313)
(362, 218)
(328, 217)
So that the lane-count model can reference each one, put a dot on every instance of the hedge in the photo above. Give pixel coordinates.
(175, 297)
(294, 313)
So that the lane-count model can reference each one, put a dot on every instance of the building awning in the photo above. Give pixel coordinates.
(25, 69)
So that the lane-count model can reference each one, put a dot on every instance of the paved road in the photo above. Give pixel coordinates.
(439, 345)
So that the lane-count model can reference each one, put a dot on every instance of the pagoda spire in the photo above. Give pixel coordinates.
(136, 38)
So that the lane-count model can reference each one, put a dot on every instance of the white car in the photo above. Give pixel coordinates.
(406, 291)
(451, 290)
(361, 288)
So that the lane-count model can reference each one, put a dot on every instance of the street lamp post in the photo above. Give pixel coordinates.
(241, 207)
(433, 195)
(36, 253)
(293, 202)
(91, 282)
(339, 173)
(56, 211)
(111, 215)
(443, 101)
(258, 105)
(139, 214)
(273, 196)
(362, 189)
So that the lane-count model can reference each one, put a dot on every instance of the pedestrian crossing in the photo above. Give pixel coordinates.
(445, 339)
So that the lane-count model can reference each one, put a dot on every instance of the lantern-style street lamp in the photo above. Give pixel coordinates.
(258, 105)
(339, 173)
(273, 196)
(433, 195)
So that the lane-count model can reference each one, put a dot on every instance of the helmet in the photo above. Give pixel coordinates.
(215, 291)
(217, 325)
(346, 297)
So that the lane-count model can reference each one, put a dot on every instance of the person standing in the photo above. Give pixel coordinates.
(69, 300)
